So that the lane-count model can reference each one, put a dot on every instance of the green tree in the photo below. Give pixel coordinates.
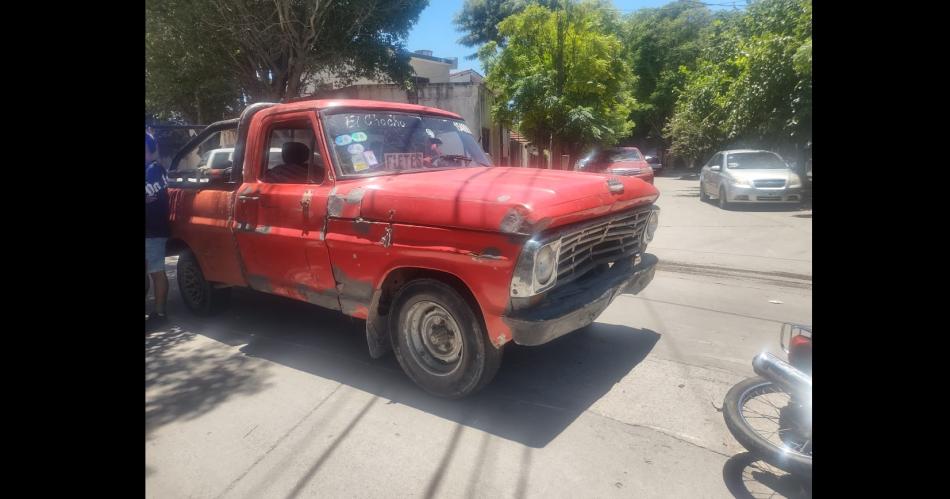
(561, 78)
(479, 19)
(658, 43)
(752, 83)
(270, 49)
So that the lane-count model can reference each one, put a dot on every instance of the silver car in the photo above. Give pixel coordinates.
(749, 176)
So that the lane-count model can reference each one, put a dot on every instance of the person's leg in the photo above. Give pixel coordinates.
(161, 291)
(155, 256)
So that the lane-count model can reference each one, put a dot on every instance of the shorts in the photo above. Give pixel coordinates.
(155, 254)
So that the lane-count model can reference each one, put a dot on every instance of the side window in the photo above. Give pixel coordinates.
(292, 156)
(209, 159)
(715, 160)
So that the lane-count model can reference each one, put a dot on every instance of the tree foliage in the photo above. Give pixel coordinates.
(658, 43)
(268, 49)
(561, 76)
(752, 83)
(479, 19)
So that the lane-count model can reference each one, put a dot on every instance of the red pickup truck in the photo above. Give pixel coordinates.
(392, 213)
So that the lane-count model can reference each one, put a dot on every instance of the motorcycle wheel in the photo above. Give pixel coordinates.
(753, 413)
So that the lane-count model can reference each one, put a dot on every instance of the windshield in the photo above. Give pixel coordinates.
(617, 155)
(755, 161)
(371, 143)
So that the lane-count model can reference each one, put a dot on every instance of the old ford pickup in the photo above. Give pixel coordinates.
(392, 213)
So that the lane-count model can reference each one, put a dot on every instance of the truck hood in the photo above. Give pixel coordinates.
(497, 199)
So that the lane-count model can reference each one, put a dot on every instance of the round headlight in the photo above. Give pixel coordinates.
(650, 229)
(544, 265)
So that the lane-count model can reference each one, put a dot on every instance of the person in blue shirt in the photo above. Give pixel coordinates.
(157, 229)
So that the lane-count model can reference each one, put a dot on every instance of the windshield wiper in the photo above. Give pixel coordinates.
(458, 157)
(461, 157)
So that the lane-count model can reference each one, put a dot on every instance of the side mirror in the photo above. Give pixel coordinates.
(715, 168)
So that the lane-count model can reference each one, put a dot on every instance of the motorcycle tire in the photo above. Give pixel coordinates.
(791, 462)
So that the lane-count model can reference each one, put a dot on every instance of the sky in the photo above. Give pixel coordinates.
(435, 30)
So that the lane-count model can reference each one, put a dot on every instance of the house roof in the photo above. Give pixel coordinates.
(466, 71)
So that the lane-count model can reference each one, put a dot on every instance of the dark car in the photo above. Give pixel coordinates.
(655, 164)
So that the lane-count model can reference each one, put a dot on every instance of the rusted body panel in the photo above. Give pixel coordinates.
(335, 243)
(362, 261)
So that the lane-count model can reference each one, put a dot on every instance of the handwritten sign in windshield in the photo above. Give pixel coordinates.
(376, 121)
(403, 161)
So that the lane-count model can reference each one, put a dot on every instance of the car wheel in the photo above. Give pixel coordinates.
(199, 295)
(439, 340)
(723, 203)
(702, 191)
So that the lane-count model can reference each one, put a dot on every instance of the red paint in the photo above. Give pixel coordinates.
(601, 164)
(261, 235)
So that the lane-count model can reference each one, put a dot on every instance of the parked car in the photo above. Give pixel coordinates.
(623, 161)
(220, 159)
(403, 221)
(654, 163)
(749, 176)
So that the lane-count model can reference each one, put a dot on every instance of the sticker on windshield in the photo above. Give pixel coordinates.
(359, 164)
(462, 127)
(343, 140)
(430, 133)
(355, 148)
(403, 161)
(370, 158)
(358, 136)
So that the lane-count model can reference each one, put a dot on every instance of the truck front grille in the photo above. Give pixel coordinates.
(601, 242)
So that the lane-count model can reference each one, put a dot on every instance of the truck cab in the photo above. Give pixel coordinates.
(393, 214)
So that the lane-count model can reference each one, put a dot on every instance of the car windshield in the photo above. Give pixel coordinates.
(622, 155)
(755, 161)
(373, 143)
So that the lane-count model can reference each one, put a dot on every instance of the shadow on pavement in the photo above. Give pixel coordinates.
(748, 477)
(536, 394)
(186, 386)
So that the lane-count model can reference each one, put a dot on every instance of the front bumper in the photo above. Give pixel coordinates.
(579, 303)
(736, 194)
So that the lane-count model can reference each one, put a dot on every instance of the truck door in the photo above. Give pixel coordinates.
(280, 210)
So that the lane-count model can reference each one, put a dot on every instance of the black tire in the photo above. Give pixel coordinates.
(199, 295)
(702, 192)
(477, 359)
(723, 203)
(791, 462)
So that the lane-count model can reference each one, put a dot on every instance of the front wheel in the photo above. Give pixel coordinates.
(723, 201)
(439, 340)
(765, 421)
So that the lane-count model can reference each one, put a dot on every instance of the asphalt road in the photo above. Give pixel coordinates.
(275, 398)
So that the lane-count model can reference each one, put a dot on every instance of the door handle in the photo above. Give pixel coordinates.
(248, 198)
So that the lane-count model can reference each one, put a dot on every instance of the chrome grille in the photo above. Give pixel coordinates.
(627, 173)
(772, 182)
(600, 242)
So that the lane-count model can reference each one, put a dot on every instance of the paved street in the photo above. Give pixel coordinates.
(275, 398)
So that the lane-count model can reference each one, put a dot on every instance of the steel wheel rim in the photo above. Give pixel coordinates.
(760, 422)
(191, 284)
(435, 338)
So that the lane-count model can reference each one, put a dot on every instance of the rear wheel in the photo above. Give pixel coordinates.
(439, 340)
(702, 191)
(199, 295)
